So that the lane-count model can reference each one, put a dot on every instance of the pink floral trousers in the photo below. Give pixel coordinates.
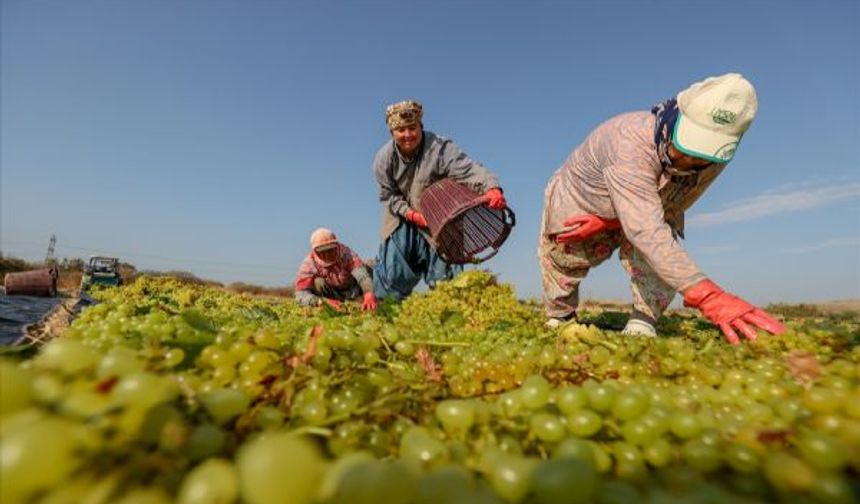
(564, 266)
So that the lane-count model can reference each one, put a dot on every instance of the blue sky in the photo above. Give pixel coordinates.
(214, 136)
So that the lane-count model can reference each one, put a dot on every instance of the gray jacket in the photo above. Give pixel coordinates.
(401, 181)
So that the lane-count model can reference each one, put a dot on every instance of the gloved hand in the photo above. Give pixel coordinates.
(495, 198)
(729, 312)
(369, 303)
(586, 226)
(416, 218)
(334, 303)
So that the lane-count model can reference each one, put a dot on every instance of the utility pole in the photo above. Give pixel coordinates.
(49, 257)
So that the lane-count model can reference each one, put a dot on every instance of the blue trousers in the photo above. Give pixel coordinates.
(404, 258)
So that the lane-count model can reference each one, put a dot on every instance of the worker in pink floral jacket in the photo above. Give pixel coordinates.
(627, 186)
(332, 273)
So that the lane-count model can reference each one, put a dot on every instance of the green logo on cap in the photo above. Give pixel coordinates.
(726, 152)
(722, 116)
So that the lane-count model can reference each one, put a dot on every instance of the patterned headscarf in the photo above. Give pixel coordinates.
(404, 113)
(667, 114)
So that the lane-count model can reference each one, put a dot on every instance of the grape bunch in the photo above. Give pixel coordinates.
(167, 392)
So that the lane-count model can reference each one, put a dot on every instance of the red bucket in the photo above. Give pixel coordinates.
(463, 227)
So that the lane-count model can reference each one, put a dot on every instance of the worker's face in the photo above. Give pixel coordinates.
(407, 138)
(327, 256)
(686, 162)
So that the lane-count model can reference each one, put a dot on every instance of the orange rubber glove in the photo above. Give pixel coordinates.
(369, 303)
(495, 198)
(416, 218)
(729, 312)
(586, 226)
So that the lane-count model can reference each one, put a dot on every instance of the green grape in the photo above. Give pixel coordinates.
(225, 404)
(786, 472)
(700, 455)
(155, 420)
(833, 489)
(534, 392)
(373, 481)
(629, 464)
(579, 449)
(256, 363)
(639, 432)
(789, 410)
(279, 468)
(510, 445)
(456, 415)
(119, 361)
(313, 412)
(630, 405)
(601, 397)
(240, 350)
(618, 492)
(269, 417)
(547, 427)
(822, 451)
(511, 402)
(335, 472)
(173, 357)
(67, 356)
(511, 477)
(657, 453)
(379, 442)
(266, 339)
(450, 483)
(404, 348)
(215, 481)
(16, 390)
(420, 449)
(742, 458)
(86, 490)
(569, 399)
(685, 425)
(821, 400)
(206, 440)
(565, 481)
(142, 390)
(584, 423)
(37, 453)
(85, 404)
(47, 388)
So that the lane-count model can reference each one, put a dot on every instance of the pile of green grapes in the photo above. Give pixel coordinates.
(164, 392)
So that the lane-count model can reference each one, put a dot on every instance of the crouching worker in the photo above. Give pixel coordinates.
(627, 186)
(333, 273)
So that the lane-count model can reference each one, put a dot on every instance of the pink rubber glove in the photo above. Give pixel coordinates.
(495, 198)
(586, 226)
(729, 312)
(416, 218)
(369, 303)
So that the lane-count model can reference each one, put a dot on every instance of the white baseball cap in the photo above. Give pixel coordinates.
(714, 114)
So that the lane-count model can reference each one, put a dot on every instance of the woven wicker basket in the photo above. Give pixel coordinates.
(464, 229)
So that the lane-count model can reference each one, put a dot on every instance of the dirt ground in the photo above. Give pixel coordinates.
(840, 306)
